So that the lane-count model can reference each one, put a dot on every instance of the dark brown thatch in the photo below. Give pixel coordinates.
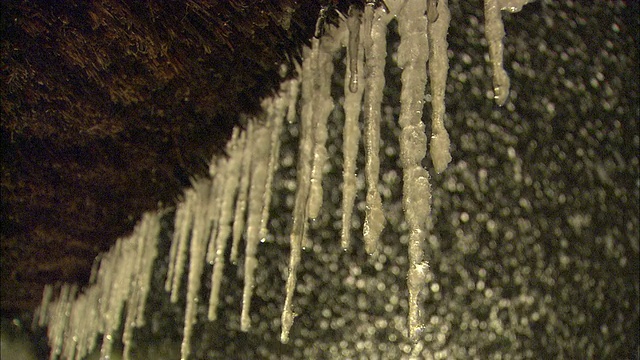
(108, 108)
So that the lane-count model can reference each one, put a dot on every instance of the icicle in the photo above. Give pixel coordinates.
(59, 319)
(322, 104)
(46, 299)
(241, 202)
(175, 241)
(132, 308)
(106, 276)
(83, 325)
(258, 181)
(149, 255)
(218, 172)
(351, 133)
(123, 269)
(494, 32)
(235, 150)
(197, 254)
(375, 55)
(145, 237)
(353, 46)
(438, 69)
(412, 57)
(275, 118)
(184, 227)
(367, 22)
(299, 227)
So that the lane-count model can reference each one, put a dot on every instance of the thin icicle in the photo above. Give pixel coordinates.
(197, 254)
(412, 57)
(175, 241)
(299, 227)
(235, 149)
(218, 173)
(351, 132)
(260, 166)
(438, 70)
(494, 32)
(184, 227)
(145, 237)
(375, 55)
(322, 104)
(44, 305)
(75, 326)
(241, 202)
(173, 251)
(353, 46)
(275, 118)
(367, 22)
(111, 302)
(123, 267)
(83, 325)
(129, 322)
(59, 319)
(150, 252)
(106, 276)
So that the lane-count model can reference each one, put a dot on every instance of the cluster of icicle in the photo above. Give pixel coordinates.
(235, 201)
(120, 281)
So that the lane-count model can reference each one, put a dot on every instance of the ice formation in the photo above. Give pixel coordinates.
(351, 130)
(235, 201)
(416, 191)
(216, 255)
(375, 54)
(122, 281)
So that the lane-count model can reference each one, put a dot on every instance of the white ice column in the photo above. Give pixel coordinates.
(375, 58)
(413, 53)
(351, 131)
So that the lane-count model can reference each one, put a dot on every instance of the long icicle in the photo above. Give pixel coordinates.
(241, 201)
(275, 116)
(260, 149)
(219, 173)
(322, 104)
(299, 227)
(353, 47)
(132, 308)
(375, 55)
(351, 132)
(173, 252)
(150, 252)
(412, 57)
(184, 226)
(204, 195)
(235, 149)
(146, 237)
(118, 293)
(438, 70)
